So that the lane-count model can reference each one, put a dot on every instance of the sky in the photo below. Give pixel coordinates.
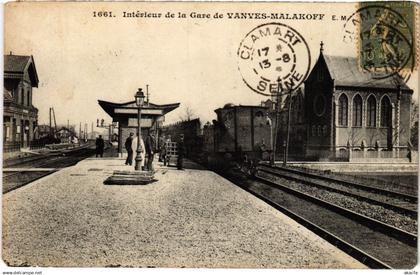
(81, 58)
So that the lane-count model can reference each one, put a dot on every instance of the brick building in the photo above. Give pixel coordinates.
(242, 128)
(20, 117)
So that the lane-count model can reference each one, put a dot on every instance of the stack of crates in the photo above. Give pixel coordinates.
(171, 153)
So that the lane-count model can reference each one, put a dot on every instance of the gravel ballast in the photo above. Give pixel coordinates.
(191, 218)
(370, 210)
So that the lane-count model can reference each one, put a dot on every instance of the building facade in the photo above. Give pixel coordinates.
(20, 117)
(348, 110)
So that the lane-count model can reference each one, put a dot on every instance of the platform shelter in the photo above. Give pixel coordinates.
(124, 116)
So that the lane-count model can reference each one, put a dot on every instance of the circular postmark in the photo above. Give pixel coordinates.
(384, 40)
(273, 57)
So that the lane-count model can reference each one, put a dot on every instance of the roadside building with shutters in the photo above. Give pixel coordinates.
(20, 117)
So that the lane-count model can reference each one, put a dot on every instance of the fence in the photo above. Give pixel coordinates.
(11, 147)
(382, 155)
(37, 144)
(356, 154)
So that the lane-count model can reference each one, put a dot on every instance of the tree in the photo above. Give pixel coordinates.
(187, 115)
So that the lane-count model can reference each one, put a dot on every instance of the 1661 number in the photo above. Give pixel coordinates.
(103, 14)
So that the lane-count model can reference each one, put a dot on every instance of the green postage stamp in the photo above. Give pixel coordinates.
(387, 37)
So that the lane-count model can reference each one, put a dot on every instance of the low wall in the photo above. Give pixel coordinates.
(352, 167)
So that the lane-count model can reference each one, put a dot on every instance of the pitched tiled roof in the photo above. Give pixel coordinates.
(15, 63)
(346, 72)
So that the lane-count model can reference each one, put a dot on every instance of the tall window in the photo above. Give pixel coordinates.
(371, 111)
(386, 112)
(28, 97)
(357, 111)
(21, 96)
(342, 110)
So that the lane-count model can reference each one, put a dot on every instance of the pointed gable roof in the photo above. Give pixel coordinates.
(16, 65)
(346, 72)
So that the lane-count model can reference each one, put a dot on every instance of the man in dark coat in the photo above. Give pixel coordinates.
(128, 143)
(181, 152)
(100, 146)
(150, 149)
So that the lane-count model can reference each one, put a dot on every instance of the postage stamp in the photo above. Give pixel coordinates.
(273, 56)
(386, 37)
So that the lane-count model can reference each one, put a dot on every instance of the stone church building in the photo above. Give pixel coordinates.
(343, 112)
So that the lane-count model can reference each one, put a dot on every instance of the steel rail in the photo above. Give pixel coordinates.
(348, 248)
(408, 197)
(397, 208)
(401, 235)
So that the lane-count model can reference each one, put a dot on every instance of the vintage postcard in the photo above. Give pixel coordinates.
(210, 135)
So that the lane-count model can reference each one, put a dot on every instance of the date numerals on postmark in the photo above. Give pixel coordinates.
(273, 55)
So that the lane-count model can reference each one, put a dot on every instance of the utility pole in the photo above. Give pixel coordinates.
(91, 132)
(286, 149)
(147, 94)
(50, 122)
(80, 130)
(278, 106)
(85, 133)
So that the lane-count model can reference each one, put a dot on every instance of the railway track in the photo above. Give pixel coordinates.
(403, 203)
(335, 179)
(374, 243)
(15, 179)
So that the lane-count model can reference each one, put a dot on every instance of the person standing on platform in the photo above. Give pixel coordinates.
(150, 149)
(128, 147)
(134, 150)
(100, 146)
(161, 145)
(181, 152)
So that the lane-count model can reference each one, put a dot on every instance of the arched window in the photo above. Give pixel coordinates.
(357, 111)
(371, 111)
(342, 110)
(386, 112)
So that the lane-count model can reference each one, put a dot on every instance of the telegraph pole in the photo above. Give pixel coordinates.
(50, 122)
(286, 149)
(278, 106)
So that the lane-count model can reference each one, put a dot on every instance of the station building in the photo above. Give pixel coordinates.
(20, 117)
(343, 113)
(124, 117)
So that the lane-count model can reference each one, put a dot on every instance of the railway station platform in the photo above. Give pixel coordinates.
(190, 218)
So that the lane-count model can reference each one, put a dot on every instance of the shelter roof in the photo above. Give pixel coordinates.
(109, 107)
